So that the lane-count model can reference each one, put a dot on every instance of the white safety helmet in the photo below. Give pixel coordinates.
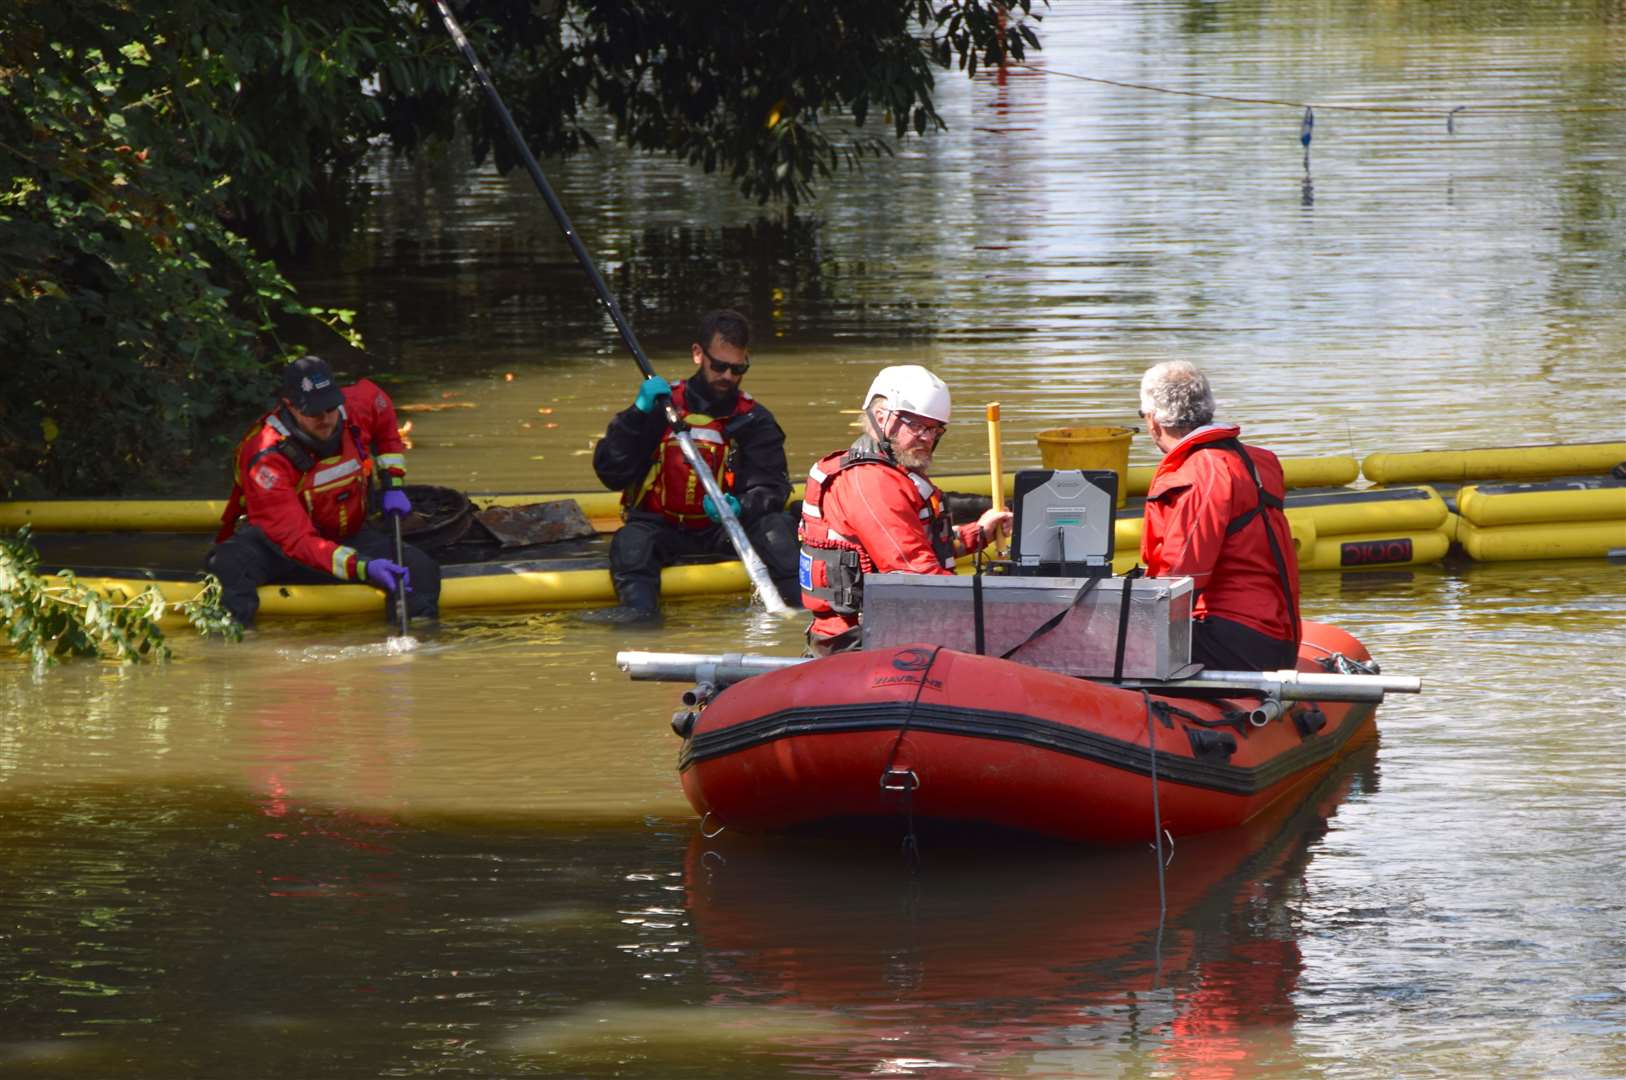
(911, 388)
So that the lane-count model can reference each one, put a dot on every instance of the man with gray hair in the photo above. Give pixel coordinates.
(1214, 514)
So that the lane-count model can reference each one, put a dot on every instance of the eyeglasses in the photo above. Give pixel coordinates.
(719, 366)
(926, 429)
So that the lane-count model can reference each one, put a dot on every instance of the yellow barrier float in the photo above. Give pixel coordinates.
(489, 587)
(1545, 540)
(1380, 527)
(1503, 463)
(1406, 512)
(603, 508)
(1314, 472)
(1369, 551)
(1492, 505)
(1347, 530)
(1557, 519)
(1332, 530)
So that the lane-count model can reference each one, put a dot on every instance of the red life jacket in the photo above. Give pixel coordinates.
(333, 489)
(670, 488)
(833, 562)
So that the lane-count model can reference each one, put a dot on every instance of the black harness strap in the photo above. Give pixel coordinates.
(1266, 499)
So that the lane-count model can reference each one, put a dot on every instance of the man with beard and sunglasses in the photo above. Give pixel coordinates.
(667, 513)
(301, 491)
(871, 509)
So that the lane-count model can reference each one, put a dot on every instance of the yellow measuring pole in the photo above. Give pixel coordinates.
(995, 479)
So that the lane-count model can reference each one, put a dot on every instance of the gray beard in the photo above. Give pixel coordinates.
(918, 460)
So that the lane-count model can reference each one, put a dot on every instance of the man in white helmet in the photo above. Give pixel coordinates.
(871, 509)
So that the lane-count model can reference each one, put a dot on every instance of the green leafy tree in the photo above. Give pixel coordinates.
(47, 619)
(153, 154)
(142, 145)
(779, 95)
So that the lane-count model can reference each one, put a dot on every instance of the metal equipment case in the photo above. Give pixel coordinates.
(902, 609)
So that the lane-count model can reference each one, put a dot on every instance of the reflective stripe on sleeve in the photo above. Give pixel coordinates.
(392, 461)
(342, 557)
(809, 510)
(817, 475)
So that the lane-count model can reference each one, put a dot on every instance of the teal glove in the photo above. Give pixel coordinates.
(654, 387)
(711, 507)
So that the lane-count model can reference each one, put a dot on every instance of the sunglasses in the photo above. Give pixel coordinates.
(719, 366)
(928, 429)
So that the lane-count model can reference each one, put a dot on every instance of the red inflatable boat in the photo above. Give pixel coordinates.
(936, 736)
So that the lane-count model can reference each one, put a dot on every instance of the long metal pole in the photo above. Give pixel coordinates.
(754, 566)
(720, 669)
(400, 586)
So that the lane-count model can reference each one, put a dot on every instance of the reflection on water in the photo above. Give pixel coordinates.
(302, 939)
(304, 856)
(477, 857)
(1047, 958)
(1443, 289)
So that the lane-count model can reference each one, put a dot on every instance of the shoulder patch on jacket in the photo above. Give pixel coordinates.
(266, 477)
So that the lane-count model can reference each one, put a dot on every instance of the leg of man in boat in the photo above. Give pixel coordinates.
(1222, 645)
(423, 594)
(845, 641)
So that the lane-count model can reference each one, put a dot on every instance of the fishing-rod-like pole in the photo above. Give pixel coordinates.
(754, 567)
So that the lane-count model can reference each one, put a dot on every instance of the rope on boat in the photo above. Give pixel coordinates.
(1157, 814)
(911, 846)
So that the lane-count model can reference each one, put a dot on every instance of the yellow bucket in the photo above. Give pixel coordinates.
(1088, 448)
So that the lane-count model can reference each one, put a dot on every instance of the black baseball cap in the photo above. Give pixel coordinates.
(308, 383)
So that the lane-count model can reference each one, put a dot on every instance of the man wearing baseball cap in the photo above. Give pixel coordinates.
(304, 481)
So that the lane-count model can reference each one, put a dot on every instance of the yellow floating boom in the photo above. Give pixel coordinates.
(1490, 505)
(1541, 540)
(603, 508)
(1504, 463)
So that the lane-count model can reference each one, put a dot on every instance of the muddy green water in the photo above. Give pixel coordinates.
(303, 856)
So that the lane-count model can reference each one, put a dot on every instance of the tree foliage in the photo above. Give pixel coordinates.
(778, 95)
(154, 153)
(132, 316)
(47, 619)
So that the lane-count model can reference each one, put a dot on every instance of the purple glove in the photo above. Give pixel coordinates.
(395, 502)
(388, 576)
